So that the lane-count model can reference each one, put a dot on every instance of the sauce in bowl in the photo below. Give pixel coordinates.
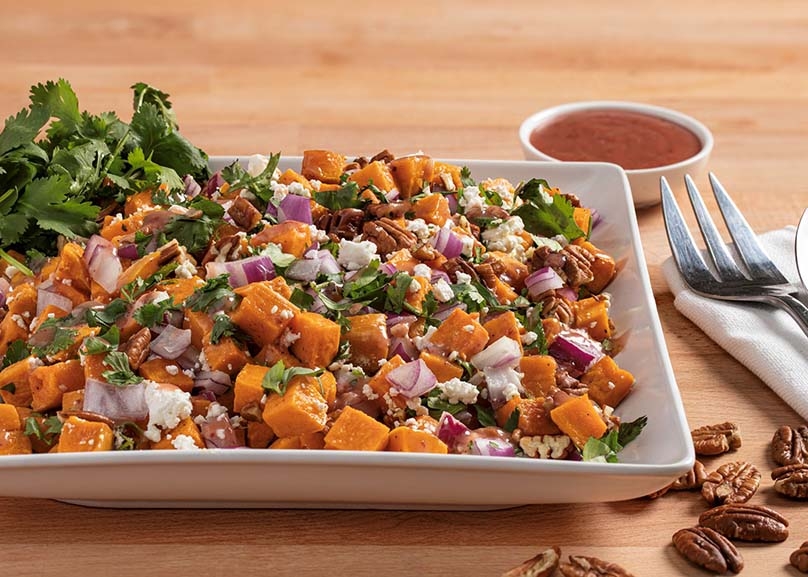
(631, 140)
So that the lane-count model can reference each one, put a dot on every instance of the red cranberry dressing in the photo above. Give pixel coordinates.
(630, 139)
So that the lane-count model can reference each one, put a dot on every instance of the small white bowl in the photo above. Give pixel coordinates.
(644, 182)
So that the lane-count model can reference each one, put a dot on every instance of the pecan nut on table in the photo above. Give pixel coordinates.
(580, 566)
(707, 548)
(792, 480)
(799, 558)
(716, 439)
(733, 482)
(790, 445)
(542, 565)
(746, 523)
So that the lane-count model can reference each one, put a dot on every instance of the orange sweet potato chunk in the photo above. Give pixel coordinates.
(289, 176)
(356, 431)
(263, 313)
(323, 165)
(259, 435)
(433, 208)
(608, 383)
(247, 388)
(503, 325)
(9, 418)
(72, 268)
(80, 435)
(200, 324)
(462, 333)
(21, 310)
(578, 419)
(318, 341)
(14, 443)
(381, 386)
(225, 356)
(603, 268)
(166, 372)
(375, 173)
(15, 382)
(50, 383)
(186, 427)
(411, 173)
(407, 440)
(73, 400)
(592, 315)
(442, 368)
(539, 374)
(368, 340)
(293, 237)
(300, 410)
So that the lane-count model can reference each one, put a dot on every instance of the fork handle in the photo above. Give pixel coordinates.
(795, 308)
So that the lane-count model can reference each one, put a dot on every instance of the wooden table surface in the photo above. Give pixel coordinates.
(454, 79)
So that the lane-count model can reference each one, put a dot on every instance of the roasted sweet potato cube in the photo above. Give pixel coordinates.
(21, 302)
(505, 411)
(318, 342)
(49, 312)
(433, 208)
(186, 427)
(247, 388)
(381, 386)
(285, 443)
(200, 324)
(14, 443)
(375, 173)
(272, 353)
(280, 286)
(356, 431)
(326, 385)
(441, 367)
(603, 268)
(460, 333)
(293, 237)
(180, 288)
(411, 173)
(259, 435)
(407, 440)
(301, 409)
(49, 383)
(307, 441)
(368, 341)
(72, 268)
(225, 356)
(80, 435)
(534, 417)
(539, 374)
(263, 313)
(9, 418)
(592, 315)
(323, 165)
(608, 384)
(138, 201)
(15, 381)
(94, 366)
(403, 260)
(289, 176)
(167, 372)
(503, 325)
(578, 419)
(441, 172)
(73, 400)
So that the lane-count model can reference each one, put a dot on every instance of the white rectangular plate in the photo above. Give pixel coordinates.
(266, 478)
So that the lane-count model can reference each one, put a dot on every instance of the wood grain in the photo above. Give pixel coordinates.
(454, 79)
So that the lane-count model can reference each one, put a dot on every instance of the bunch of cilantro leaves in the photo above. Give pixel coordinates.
(58, 183)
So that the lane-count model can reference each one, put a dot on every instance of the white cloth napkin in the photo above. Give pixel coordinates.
(765, 339)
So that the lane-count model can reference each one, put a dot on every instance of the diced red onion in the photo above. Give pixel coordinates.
(128, 251)
(574, 347)
(207, 395)
(45, 297)
(543, 280)
(397, 319)
(216, 382)
(171, 343)
(4, 288)
(452, 200)
(192, 187)
(214, 183)
(117, 403)
(189, 358)
(443, 312)
(504, 352)
(498, 381)
(218, 433)
(305, 269)
(295, 207)
(391, 195)
(242, 272)
(451, 431)
(439, 275)
(447, 243)
(403, 347)
(388, 268)
(412, 379)
(492, 447)
(328, 264)
(568, 293)
(102, 263)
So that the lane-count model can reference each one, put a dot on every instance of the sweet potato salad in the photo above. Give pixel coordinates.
(366, 304)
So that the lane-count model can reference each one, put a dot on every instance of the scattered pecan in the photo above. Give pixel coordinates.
(658, 493)
(137, 347)
(389, 209)
(384, 156)
(351, 166)
(555, 306)
(799, 558)
(578, 266)
(229, 246)
(544, 256)
(746, 523)
(456, 265)
(733, 482)
(792, 480)
(569, 384)
(486, 274)
(790, 445)
(388, 235)
(716, 439)
(362, 161)
(244, 214)
(693, 479)
(579, 566)
(344, 223)
(542, 565)
(486, 212)
(168, 252)
(707, 548)
(574, 200)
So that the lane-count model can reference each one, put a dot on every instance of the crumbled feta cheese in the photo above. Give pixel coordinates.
(469, 328)
(462, 278)
(172, 369)
(288, 338)
(457, 391)
(168, 405)
(215, 410)
(184, 443)
(356, 255)
(298, 189)
(279, 191)
(506, 238)
(185, 269)
(414, 287)
(529, 338)
(159, 296)
(369, 393)
(286, 314)
(419, 228)
(422, 270)
(545, 446)
(67, 281)
(20, 321)
(448, 181)
(10, 271)
(503, 189)
(422, 342)
(470, 198)
(256, 164)
(315, 184)
(468, 245)
(442, 291)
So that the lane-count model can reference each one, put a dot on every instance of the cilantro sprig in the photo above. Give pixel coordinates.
(278, 376)
(607, 447)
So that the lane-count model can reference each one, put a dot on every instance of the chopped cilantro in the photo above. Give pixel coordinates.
(62, 340)
(513, 421)
(16, 352)
(438, 406)
(607, 447)
(121, 373)
(301, 299)
(238, 178)
(213, 292)
(549, 219)
(132, 290)
(107, 316)
(153, 313)
(222, 327)
(465, 177)
(485, 416)
(9, 388)
(347, 196)
(277, 377)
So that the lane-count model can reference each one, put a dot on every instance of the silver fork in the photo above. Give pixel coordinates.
(760, 281)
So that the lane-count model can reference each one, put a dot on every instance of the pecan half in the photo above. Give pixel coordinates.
(543, 256)
(569, 384)
(344, 223)
(733, 482)
(554, 306)
(486, 212)
(137, 347)
(790, 445)
(389, 209)
(388, 235)
(792, 480)
(716, 439)
(578, 267)
(579, 566)
(707, 548)
(244, 214)
(542, 565)
(229, 246)
(456, 265)
(799, 558)
(693, 479)
(384, 156)
(746, 523)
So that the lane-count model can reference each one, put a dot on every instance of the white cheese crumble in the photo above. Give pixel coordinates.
(256, 164)
(288, 338)
(529, 338)
(185, 269)
(506, 238)
(422, 270)
(168, 405)
(356, 255)
(463, 278)
(470, 198)
(442, 291)
(457, 391)
(172, 370)
(184, 443)
(297, 189)
(419, 228)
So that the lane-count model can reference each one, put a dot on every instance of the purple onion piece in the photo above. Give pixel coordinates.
(116, 403)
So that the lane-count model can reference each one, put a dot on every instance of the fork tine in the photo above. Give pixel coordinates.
(726, 267)
(757, 262)
(687, 256)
